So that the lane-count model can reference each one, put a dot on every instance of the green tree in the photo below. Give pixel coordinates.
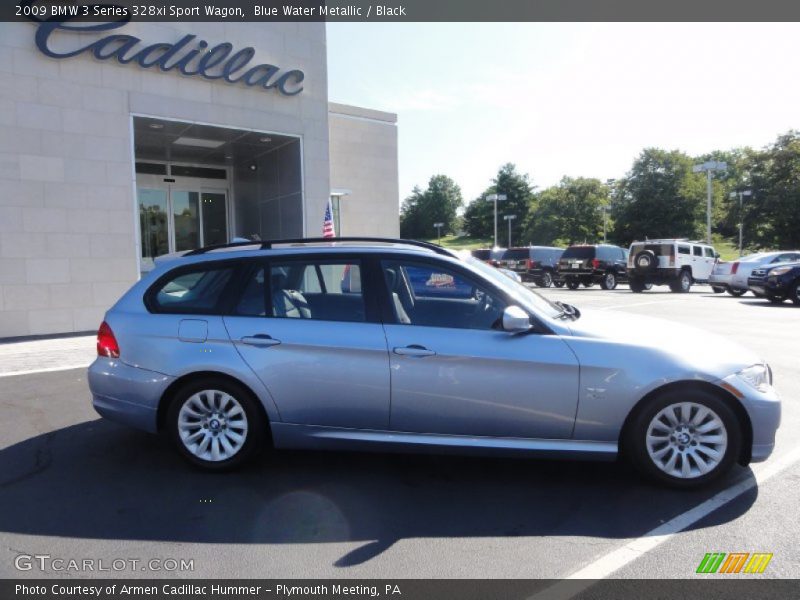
(568, 212)
(438, 203)
(660, 198)
(479, 216)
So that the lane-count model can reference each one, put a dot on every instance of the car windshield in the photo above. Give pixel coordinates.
(527, 297)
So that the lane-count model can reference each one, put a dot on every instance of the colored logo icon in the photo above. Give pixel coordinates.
(735, 562)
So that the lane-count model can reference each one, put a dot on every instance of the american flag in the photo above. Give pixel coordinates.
(327, 225)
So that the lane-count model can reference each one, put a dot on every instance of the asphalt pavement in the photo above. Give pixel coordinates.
(78, 487)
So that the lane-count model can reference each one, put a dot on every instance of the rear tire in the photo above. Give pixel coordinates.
(573, 284)
(717, 289)
(558, 284)
(775, 299)
(546, 280)
(795, 293)
(216, 424)
(609, 281)
(684, 438)
(637, 287)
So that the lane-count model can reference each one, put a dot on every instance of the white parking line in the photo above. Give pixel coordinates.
(48, 370)
(613, 561)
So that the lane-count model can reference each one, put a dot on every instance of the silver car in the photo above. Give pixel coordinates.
(732, 276)
(368, 344)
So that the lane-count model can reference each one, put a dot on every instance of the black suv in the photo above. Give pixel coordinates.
(601, 263)
(534, 263)
(777, 283)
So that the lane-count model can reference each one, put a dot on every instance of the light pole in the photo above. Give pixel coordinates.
(438, 232)
(708, 168)
(741, 193)
(509, 218)
(610, 183)
(495, 198)
(604, 208)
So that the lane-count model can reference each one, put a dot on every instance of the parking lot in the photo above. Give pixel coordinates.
(77, 487)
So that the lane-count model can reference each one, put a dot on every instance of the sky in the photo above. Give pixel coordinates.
(576, 99)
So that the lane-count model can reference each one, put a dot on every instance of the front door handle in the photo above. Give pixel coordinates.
(261, 340)
(414, 350)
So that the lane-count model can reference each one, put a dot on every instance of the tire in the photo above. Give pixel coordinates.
(645, 260)
(736, 293)
(588, 284)
(609, 281)
(637, 286)
(573, 284)
(558, 284)
(717, 289)
(229, 410)
(795, 293)
(648, 286)
(682, 284)
(775, 299)
(672, 451)
(546, 280)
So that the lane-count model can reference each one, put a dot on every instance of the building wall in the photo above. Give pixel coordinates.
(363, 158)
(68, 220)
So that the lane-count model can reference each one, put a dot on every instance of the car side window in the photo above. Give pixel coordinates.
(697, 250)
(432, 296)
(195, 291)
(709, 252)
(683, 249)
(322, 290)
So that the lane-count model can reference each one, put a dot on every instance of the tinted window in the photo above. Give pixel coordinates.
(581, 252)
(325, 290)
(515, 254)
(683, 249)
(195, 291)
(252, 302)
(481, 254)
(431, 296)
(697, 250)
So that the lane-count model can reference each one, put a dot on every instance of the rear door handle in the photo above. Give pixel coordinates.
(414, 350)
(261, 340)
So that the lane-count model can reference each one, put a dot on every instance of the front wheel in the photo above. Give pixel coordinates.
(717, 289)
(736, 293)
(683, 283)
(795, 293)
(573, 284)
(215, 424)
(684, 438)
(609, 281)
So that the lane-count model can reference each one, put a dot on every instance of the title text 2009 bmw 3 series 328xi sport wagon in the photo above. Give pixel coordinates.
(395, 345)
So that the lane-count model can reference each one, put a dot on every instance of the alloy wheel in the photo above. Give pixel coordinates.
(212, 425)
(686, 440)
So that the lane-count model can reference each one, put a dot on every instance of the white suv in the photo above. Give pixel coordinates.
(673, 262)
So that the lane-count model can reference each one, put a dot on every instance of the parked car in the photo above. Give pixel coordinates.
(229, 349)
(677, 263)
(490, 256)
(732, 276)
(534, 263)
(777, 283)
(589, 264)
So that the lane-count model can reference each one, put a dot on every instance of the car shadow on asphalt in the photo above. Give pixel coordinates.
(103, 481)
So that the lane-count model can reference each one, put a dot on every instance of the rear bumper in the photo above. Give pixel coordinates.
(127, 394)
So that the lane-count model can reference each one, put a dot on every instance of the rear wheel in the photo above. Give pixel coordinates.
(717, 289)
(736, 293)
(609, 281)
(683, 284)
(573, 284)
(546, 279)
(558, 284)
(636, 285)
(795, 293)
(215, 424)
(775, 299)
(588, 284)
(684, 438)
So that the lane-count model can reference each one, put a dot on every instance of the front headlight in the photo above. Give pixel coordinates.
(757, 376)
(778, 271)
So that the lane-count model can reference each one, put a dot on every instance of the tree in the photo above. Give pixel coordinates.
(439, 203)
(479, 216)
(568, 213)
(660, 198)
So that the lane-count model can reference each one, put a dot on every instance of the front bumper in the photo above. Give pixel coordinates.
(127, 394)
(764, 411)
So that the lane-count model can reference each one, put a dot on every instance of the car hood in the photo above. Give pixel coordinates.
(699, 351)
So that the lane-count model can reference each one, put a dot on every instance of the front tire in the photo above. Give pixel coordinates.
(684, 438)
(215, 424)
(795, 293)
(717, 289)
(573, 284)
(609, 281)
(683, 284)
(736, 293)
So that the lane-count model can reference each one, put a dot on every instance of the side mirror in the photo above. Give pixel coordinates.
(516, 320)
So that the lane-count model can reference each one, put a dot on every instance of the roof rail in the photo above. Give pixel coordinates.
(267, 244)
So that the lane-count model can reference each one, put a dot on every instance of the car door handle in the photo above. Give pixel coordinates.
(260, 339)
(414, 350)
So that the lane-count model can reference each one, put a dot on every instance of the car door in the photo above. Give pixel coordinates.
(311, 333)
(454, 371)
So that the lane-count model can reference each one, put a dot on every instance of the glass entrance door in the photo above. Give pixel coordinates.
(175, 217)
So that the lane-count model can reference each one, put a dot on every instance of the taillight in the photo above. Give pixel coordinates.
(734, 268)
(106, 342)
(529, 264)
(595, 263)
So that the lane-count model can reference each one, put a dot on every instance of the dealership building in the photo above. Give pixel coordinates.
(121, 142)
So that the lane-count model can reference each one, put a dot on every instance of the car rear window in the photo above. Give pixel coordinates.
(657, 249)
(193, 291)
(515, 254)
(579, 252)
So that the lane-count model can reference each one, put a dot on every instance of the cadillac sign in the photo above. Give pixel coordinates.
(188, 56)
